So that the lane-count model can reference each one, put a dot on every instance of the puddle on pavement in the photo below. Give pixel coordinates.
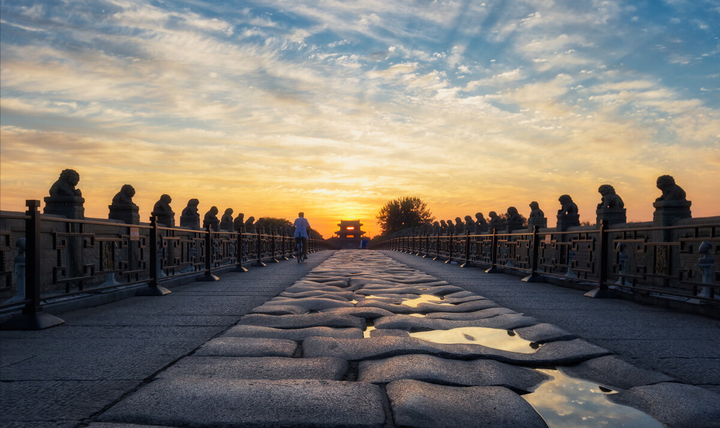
(566, 402)
(505, 340)
(424, 298)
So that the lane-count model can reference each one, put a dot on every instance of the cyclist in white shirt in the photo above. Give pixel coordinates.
(301, 232)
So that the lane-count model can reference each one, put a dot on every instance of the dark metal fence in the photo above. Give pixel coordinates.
(675, 261)
(64, 258)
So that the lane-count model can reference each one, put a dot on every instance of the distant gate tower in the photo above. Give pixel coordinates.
(350, 235)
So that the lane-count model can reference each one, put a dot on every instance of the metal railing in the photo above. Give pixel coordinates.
(67, 257)
(670, 261)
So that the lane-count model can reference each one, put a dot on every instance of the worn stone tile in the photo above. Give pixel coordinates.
(202, 402)
(248, 347)
(433, 369)
(475, 315)
(114, 425)
(304, 320)
(552, 354)
(389, 332)
(674, 404)
(58, 400)
(340, 295)
(428, 307)
(279, 310)
(275, 368)
(544, 332)
(419, 404)
(405, 322)
(311, 303)
(366, 312)
(26, 424)
(437, 290)
(296, 334)
(614, 373)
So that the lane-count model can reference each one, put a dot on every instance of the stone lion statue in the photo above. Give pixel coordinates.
(163, 205)
(123, 198)
(239, 222)
(609, 198)
(670, 190)
(535, 211)
(65, 185)
(568, 207)
(211, 216)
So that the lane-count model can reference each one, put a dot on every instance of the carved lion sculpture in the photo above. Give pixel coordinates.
(609, 198)
(65, 185)
(670, 190)
(568, 207)
(123, 198)
(227, 217)
(163, 205)
(535, 212)
(239, 222)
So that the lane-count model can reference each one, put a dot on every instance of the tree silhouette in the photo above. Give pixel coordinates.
(402, 213)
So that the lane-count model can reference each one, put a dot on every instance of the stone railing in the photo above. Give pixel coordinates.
(46, 258)
(672, 261)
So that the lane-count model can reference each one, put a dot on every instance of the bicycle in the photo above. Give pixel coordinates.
(299, 251)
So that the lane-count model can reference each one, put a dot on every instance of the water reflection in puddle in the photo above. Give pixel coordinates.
(565, 402)
(424, 298)
(505, 340)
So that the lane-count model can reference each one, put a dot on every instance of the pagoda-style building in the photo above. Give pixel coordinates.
(350, 234)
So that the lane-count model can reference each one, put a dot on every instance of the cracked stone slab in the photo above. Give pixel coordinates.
(429, 307)
(419, 405)
(248, 347)
(475, 315)
(340, 295)
(279, 310)
(428, 368)
(543, 333)
(396, 299)
(274, 368)
(318, 287)
(112, 425)
(320, 319)
(389, 332)
(614, 373)
(552, 354)
(363, 312)
(296, 334)
(310, 303)
(439, 290)
(406, 322)
(674, 404)
(198, 402)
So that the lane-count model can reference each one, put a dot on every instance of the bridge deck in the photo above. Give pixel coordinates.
(308, 358)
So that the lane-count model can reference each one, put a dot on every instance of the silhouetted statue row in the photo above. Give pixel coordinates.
(669, 207)
(66, 200)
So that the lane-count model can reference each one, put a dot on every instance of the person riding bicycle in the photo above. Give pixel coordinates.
(301, 232)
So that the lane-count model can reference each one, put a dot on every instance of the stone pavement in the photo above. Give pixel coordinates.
(63, 376)
(681, 345)
(361, 341)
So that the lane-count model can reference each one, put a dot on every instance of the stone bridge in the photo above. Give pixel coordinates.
(364, 339)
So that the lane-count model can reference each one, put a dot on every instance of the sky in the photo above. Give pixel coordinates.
(336, 107)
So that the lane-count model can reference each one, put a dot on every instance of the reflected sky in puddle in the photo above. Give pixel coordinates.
(424, 298)
(565, 402)
(490, 337)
